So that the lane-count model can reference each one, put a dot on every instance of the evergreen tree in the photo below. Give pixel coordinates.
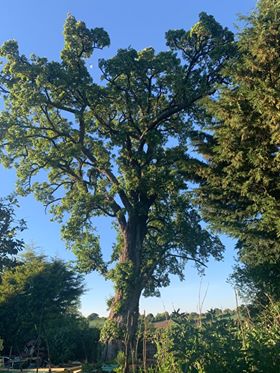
(240, 193)
(36, 297)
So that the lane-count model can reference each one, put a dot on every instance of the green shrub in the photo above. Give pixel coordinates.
(263, 341)
(220, 344)
(208, 347)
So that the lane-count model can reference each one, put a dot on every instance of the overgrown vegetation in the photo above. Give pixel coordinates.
(240, 194)
(220, 343)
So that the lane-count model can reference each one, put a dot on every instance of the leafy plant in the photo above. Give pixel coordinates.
(209, 346)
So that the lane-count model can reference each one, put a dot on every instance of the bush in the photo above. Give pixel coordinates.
(220, 344)
(208, 347)
(263, 341)
(73, 340)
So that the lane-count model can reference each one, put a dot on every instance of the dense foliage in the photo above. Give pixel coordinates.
(116, 149)
(244, 153)
(241, 190)
(10, 244)
(225, 342)
(38, 301)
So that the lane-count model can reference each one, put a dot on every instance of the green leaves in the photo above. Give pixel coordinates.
(35, 296)
(10, 244)
(240, 192)
(10, 50)
(204, 50)
(208, 343)
(245, 159)
(119, 148)
(80, 41)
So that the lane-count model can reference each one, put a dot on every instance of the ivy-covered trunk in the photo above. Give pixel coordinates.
(122, 323)
(121, 327)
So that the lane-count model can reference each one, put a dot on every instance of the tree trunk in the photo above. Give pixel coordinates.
(124, 311)
(126, 319)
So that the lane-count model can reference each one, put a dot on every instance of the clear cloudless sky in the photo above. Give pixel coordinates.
(37, 26)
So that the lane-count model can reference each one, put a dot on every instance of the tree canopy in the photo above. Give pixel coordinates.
(116, 148)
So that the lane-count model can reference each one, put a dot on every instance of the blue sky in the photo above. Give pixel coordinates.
(37, 26)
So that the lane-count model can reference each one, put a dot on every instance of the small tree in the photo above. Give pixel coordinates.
(35, 295)
(117, 149)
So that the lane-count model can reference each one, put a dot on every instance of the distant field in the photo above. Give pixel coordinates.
(97, 323)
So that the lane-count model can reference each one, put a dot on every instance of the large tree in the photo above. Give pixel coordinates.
(241, 143)
(116, 148)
